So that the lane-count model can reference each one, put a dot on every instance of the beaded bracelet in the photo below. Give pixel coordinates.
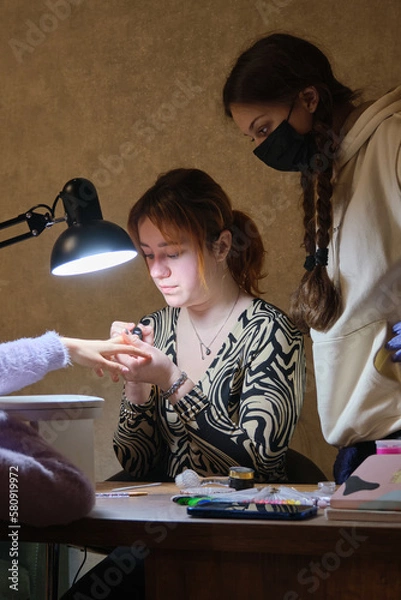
(171, 390)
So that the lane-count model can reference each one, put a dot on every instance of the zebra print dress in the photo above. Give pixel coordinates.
(242, 412)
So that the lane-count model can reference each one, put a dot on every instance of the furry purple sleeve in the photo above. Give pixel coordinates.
(49, 489)
(27, 360)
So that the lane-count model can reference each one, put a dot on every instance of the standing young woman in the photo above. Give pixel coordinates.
(225, 382)
(282, 93)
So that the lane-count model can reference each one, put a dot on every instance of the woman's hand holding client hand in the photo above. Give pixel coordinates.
(140, 373)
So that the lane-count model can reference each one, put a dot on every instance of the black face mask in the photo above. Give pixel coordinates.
(286, 150)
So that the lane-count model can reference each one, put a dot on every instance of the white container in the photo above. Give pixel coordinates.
(65, 421)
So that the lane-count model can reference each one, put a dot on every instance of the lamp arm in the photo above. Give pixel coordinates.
(89, 244)
(36, 222)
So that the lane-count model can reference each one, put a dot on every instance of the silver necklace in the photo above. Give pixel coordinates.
(205, 349)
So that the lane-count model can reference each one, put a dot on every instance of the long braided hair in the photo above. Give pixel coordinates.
(276, 69)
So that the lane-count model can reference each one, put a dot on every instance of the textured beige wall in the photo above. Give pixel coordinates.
(118, 91)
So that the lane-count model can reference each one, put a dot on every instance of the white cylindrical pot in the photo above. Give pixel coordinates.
(65, 421)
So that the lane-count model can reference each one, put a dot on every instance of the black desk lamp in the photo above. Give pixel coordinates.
(89, 244)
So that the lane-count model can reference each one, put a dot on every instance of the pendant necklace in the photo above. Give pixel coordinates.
(205, 349)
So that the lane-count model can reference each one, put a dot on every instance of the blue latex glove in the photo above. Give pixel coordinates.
(395, 343)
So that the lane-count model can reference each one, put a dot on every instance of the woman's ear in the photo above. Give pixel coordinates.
(309, 97)
(222, 245)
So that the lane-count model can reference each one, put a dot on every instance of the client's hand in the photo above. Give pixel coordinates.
(100, 354)
(395, 343)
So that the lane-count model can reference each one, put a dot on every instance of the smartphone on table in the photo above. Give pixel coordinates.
(252, 510)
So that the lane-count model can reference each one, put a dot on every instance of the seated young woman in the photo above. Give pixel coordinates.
(225, 383)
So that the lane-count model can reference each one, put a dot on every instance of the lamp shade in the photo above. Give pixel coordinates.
(93, 246)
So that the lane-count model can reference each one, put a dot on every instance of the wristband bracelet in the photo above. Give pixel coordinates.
(171, 390)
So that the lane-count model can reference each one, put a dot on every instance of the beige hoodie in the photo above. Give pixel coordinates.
(358, 387)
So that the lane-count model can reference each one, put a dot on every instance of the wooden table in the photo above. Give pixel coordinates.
(191, 559)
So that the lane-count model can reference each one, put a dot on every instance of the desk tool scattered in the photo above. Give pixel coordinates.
(135, 487)
(119, 494)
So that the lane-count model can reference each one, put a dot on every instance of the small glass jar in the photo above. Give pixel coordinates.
(241, 478)
(389, 446)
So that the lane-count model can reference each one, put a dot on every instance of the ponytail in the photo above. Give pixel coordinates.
(246, 257)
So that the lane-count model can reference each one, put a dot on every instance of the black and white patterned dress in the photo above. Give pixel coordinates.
(242, 412)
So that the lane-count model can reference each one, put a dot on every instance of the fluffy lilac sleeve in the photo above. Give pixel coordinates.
(27, 360)
(50, 490)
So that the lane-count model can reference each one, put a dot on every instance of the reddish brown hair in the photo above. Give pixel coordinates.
(190, 201)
